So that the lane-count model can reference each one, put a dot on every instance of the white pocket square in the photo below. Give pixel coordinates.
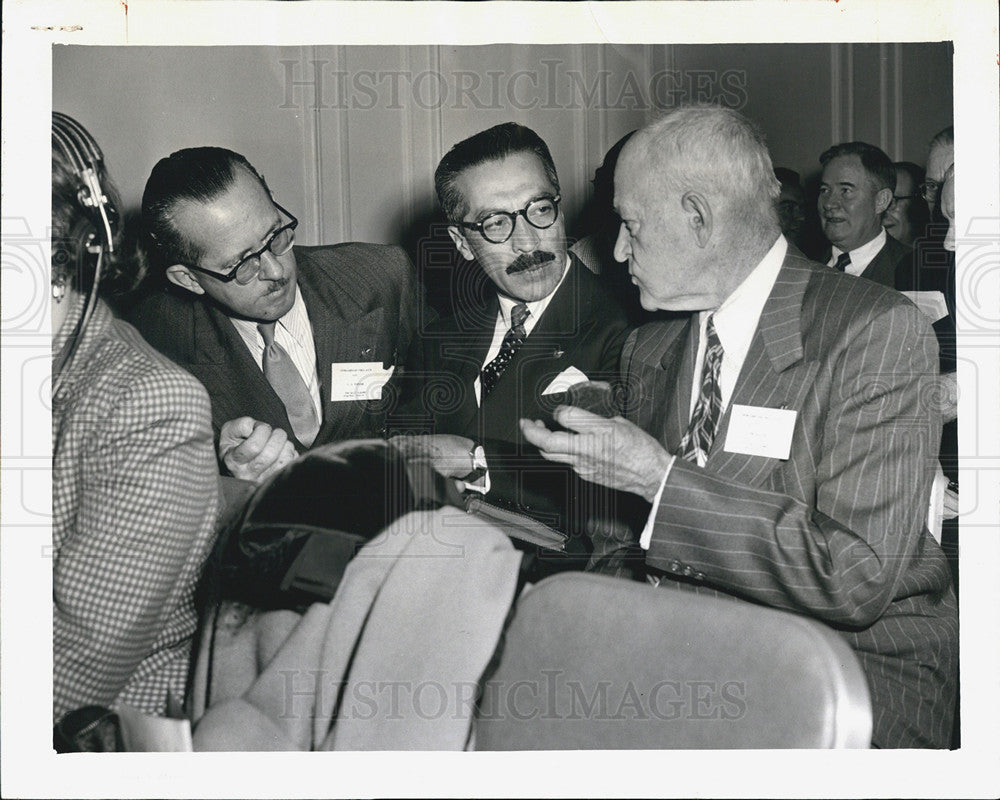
(570, 376)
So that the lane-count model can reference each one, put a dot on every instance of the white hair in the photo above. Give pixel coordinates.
(719, 152)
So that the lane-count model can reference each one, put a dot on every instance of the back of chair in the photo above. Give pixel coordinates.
(591, 662)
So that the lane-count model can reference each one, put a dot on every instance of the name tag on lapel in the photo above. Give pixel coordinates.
(358, 380)
(758, 431)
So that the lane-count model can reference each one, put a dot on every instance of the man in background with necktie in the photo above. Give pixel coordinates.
(539, 323)
(292, 343)
(777, 429)
(856, 188)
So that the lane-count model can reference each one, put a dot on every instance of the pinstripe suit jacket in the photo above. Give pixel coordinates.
(362, 301)
(836, 531)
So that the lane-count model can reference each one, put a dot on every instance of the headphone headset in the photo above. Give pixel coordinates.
(96, 230)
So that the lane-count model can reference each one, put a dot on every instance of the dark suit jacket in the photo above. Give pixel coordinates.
(582, 327)
(362, 301)
(882, 268)
(836, 531)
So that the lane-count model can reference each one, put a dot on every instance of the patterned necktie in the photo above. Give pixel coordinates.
(842, 261)
(287, 383)
(511, 344)
(708, 409)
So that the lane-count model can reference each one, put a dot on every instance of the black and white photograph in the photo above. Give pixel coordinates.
(517, 378)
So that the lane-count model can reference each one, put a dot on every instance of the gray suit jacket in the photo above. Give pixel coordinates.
(836, 531)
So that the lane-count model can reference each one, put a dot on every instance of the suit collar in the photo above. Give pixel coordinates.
(780, 326)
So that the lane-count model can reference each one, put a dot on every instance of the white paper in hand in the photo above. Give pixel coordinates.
(931, 304)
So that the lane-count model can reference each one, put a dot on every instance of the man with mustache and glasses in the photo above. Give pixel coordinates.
(545, 323)
(281, 336)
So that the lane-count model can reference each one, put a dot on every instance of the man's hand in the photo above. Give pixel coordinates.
(610, 452)
(253, 450)
(447, 454)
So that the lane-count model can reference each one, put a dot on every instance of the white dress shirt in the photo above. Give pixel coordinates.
(736, 322)
(861, 257)
(535, 310)
(294, 333)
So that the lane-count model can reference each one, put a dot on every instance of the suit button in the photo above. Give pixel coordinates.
(688, 571)
(675, 566)
(699, 576)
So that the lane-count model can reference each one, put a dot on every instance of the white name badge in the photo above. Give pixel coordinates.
(757, 431)
(358, 380)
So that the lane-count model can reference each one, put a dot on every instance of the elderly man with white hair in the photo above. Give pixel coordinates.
(776, 424)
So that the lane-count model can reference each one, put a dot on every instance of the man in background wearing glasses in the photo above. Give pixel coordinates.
(282, 337)
(544, 323)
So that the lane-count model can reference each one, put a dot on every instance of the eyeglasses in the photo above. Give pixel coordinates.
(929, 190)
(248, 267)
(498, 227)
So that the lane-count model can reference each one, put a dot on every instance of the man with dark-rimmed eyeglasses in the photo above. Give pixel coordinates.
(281, 335)
(546, 323)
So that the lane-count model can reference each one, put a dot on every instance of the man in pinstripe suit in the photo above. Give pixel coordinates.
(777, 426)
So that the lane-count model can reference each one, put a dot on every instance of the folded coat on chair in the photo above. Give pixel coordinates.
(392, 663)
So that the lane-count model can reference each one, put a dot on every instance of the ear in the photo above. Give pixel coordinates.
(698, 214)
(181, 276)
(883, 199)
(461, 243)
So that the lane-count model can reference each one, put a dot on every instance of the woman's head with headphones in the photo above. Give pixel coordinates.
(85, 218)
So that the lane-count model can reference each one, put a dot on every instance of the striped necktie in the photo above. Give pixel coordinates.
(708, 409)
(842, 261)
(287, 383)
(511, 344)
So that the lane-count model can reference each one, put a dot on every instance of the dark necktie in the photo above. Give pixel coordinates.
(842, 261)
(512, 342)
(708, 409)
(287, 383)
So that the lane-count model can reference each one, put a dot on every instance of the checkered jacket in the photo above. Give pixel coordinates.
(134, 496)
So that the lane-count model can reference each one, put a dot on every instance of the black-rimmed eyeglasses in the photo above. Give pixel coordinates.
(498, 227)
(248, 267)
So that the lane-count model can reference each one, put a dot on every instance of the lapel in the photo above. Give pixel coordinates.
(882, 268)
(460, 350)
(224, 364)
(342, 332)
(658, 372)
(775, 373)
(548, 350)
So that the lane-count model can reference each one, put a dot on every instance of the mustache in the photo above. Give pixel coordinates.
(277, 285)
(528, 260)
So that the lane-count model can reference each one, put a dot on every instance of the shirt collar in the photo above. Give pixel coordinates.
(295, 321)
(536, 307)
(861, 256)
(736, 319)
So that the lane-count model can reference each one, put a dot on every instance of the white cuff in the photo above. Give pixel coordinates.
(647, 532)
